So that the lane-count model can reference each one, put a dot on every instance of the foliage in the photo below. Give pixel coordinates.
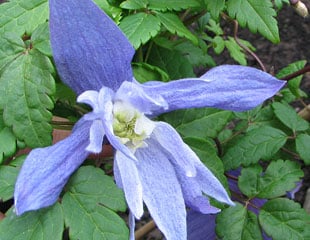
(269, 145)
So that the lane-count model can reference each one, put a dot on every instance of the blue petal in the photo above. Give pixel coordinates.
(88, 48)
(200, 226)
(236, 88)
(96, 135)
(128, 177)
(131, 223)
(46, 170)
(179, 152)
(210, 185)
(161, 191)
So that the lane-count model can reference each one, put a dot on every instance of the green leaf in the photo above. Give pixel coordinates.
(288, 116)
(140, 27)
(144, 72)
(89, 205)
(134, 4)
(22, 16)
(7, 141)
(283, 217)
(257, 15)
(27, 84)
(41, 39)
(236, 223)
(176, 5)
(259, 143)
(302, 147)
(207, 153)
(174, 25)
(294, 83)
(279, 178)
(218, 44)
(172, 62)
(205, 126)
(215, 7)
(11, 46)
(235, 51)
(45, 224)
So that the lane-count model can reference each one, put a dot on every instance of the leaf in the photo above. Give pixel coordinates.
(89, 206)
(144, 72)
(174, 25)
(288, 116)
(7, 141)
(215, 7)
(45, 224)
(172, 62)
(28, 84)
(134, 4)
(279, 178)
(236, 223)
(293, 84)
(283, 217)
(218, 44)
(22, 16)
(257, 15)
(140, 27)
(205, 126)
(302, 147)
(259, 143)
(176, 5)
(235, 51)
(11, 46)
(41, 39)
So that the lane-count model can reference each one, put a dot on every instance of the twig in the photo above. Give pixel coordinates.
(144, 230)
(297, 73)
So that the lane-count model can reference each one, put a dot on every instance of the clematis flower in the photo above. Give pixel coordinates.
(152, 164)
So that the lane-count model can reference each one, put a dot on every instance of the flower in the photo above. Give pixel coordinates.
(152, 163)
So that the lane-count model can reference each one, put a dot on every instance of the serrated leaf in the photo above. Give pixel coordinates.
(140, 27)
(11, 46)
(294, 83)
(134, 4)
(260, 143)
(206, 152)
(288, 116)
(235, 51)
(8, 175)
(215, 7)
(174, 25)
(204, 126)
(172, 62)
(27, 84)
(236, 223)
(283, 217)
(257, 15)
(248, 181)
(41, 39)
(22, 16)
(303, 147)
(88, 205)
(218, 44)
(44, 224)
(7, 141)
(176, 5)
(91, 186)
(144, 72)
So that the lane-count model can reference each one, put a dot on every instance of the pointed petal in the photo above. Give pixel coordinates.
(96, 135)
(131, 223)
(236, 88)
(88, 48)
(210, 185)
(200, 226)
(131, 184)
(161, 191)
(179, 152)
(46, 171)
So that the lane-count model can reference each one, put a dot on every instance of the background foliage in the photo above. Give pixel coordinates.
(266, 148)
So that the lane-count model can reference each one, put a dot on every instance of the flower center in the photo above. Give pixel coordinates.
(131, 126)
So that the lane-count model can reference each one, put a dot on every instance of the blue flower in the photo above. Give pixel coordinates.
(152, 164)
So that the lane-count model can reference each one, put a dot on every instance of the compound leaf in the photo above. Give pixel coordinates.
(302, 147)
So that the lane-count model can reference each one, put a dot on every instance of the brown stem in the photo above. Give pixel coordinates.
(2, 216)
(144, 230)
(297, 73)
